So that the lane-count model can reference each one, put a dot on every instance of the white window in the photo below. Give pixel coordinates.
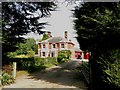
(62, 46)
(53, 45)
(43, 53)
(44, 46)
(52, 54)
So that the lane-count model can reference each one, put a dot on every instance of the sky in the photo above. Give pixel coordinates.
(60, 20)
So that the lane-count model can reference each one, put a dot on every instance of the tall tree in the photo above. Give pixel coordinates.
(45, 36)
(23, 48)
(97, 25)
(20, 18)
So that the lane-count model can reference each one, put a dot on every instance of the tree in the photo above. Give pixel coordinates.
(97, 26)
(45, 36)
(23, 48)
(19, 18)
(31, 53)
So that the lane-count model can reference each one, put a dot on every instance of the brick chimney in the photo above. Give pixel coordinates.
(49, 34)
(66, 35)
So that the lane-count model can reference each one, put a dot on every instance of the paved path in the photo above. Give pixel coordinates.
(63, 76)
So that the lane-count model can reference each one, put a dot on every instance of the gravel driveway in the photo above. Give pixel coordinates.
(63, 76)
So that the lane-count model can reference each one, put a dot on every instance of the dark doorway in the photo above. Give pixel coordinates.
(79, 57)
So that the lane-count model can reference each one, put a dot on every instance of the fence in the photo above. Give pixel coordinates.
(85, 71)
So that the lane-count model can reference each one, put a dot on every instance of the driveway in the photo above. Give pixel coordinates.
(66, 75)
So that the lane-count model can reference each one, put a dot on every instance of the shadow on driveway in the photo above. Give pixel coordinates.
(68, 74)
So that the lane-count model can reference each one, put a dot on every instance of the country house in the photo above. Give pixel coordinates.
(51, 47)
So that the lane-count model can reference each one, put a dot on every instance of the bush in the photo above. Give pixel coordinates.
(110, 66)
(41, 63)
(7, 69)
(34, 68)
(60, 58)
(24, 63)
(30, 53)
(51, 60)
(21, 56)
(6, 79)
(45, 61)
(64, 56)
(34, 64)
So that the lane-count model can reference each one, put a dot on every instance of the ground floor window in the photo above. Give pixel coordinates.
(62, 46)
(43, 53)
(52, 54)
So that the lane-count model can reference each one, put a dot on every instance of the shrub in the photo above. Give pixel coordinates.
(51, 60)
(6, 79)
(34, 68)
(42, 61)
(21, 56)
(64, 56)
(7, 69)
(110, 65)
(60, 57)
(30, 53)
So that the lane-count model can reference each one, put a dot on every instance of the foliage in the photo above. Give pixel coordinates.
(33, 68)
(7, 75)
(45, 61)
(111, 69)
(45, 36)
(24, 63)
(28, 45)
(7, 69)
(18, 18)
(60, 57)
(34, 64)
(64, 55)
(36, 48)
(99, 27)
(6, 79)
(30, 53)
(21, 56)
(11, 54)
(99, 33)
(26, 49)
(85, 71)
(52, 60)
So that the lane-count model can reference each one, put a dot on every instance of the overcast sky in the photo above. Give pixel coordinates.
(60, 21)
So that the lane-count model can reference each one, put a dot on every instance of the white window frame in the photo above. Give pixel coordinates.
(43, 54)
(53, 45)
(44, 45)
(63, 45)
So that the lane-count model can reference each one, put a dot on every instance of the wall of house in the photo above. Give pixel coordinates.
(58, 46)
(70, 47)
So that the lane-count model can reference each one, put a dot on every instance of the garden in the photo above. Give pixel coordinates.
(31, 64)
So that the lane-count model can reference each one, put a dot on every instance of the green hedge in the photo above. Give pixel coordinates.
(33, 64)
(44, 61)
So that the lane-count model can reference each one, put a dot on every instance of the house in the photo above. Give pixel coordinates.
(51, 47)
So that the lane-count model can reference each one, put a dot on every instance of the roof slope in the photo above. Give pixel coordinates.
(56, 40)
(77, 49)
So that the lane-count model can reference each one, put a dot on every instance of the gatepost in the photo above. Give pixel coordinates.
(14, 69)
